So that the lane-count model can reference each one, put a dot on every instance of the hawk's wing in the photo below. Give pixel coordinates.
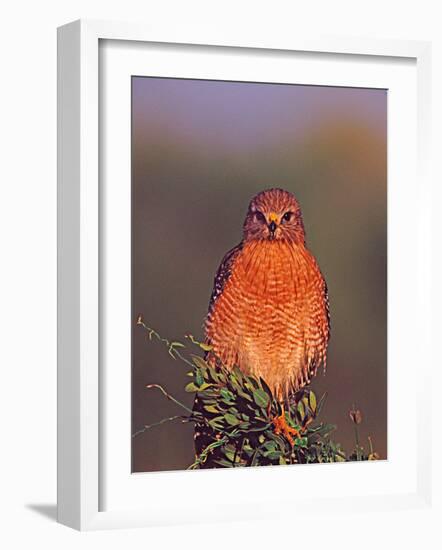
(204, 435)
(317, 334)
(223, 274)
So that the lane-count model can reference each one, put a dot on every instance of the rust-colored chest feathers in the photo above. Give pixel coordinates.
(269, 313)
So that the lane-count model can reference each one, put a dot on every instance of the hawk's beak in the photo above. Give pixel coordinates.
(273, 224)
(272, 229)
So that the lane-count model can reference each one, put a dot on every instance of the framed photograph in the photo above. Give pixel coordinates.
(241, 261)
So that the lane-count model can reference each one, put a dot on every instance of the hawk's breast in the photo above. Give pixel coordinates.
(268, 317)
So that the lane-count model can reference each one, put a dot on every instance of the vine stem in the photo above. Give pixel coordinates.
(171, 346)
(163, 421)
(170, 397)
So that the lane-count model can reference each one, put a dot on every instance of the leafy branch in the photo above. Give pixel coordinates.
(236, 417)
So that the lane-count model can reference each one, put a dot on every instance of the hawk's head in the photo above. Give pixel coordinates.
(274, 214)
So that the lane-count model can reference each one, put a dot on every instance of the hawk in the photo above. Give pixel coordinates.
(268, 313)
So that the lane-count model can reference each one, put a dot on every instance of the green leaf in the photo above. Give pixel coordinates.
(272, 455)
(251, 383)
(207, 401)
(231, 419)
(191, 387)
(229, 453)
(236, 372)
(244, 395)
(262, 428)
(302, 442)
(204, 386)
(301, 409)
(199, 362)
(216, 423)
(261, 398)
(211, 409)
(205, 347)
(199, 378)
(227, 394)
(312, 401)
(213, 375)
(266, 388)
(279, 441)
(270, 446)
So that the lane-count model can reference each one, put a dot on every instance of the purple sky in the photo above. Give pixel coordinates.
(237, 115)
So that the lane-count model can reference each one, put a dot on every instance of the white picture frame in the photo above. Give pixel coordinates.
(80, 434)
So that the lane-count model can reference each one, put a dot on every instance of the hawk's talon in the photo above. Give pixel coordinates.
(282, 427)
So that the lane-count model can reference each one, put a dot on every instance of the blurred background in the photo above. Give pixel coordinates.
(200, 151)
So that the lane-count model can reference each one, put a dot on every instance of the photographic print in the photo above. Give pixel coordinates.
(259, 274)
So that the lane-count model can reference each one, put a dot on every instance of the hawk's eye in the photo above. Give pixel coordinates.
(260, 216)
(287, 217)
